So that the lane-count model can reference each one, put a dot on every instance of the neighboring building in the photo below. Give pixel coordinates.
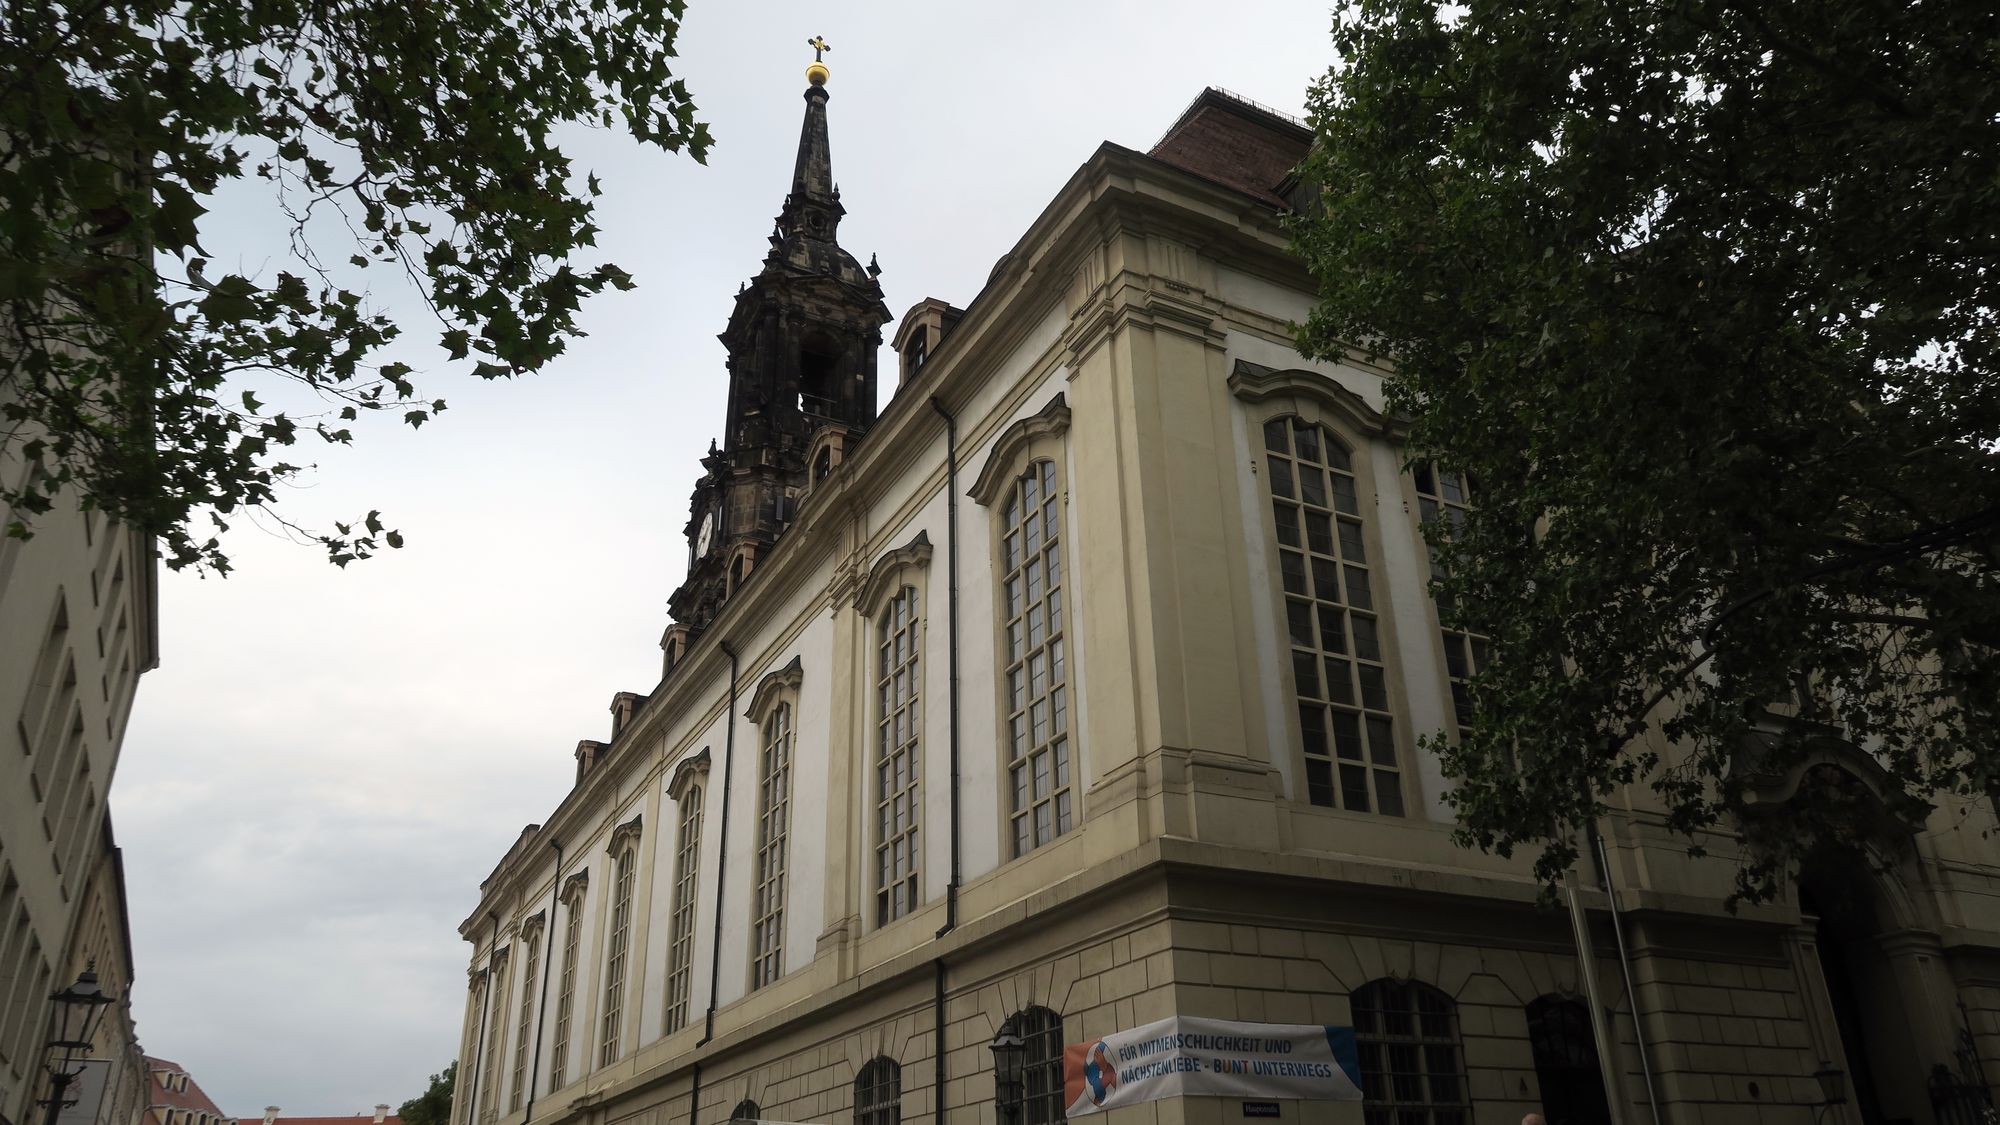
(78, 624)
(177, 1099)
(382, 1116)
(1080, 689)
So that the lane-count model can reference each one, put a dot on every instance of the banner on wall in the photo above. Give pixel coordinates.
(1190, 1056)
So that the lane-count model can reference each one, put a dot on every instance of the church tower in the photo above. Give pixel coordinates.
(802, 342)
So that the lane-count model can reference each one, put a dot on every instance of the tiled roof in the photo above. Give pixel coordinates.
(192, 1098)
(1236, 142)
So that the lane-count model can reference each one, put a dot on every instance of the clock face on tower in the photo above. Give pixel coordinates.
(705, 536)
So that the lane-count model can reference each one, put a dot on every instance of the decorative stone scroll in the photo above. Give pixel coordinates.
(689, 770)
(1254, 382)
(771, 687)
(574, 887)
(1051, 421)
(883, 577)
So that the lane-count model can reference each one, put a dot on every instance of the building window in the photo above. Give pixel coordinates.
(898, 688)
(615, 957)
(1406, 1033)
(680, 939)
(565, 996)
(1566, 1062)
(878, 1093)
(1339, 671)
(525, 1025)
(774, 807)
(1035, 1095)
(1039, 774)
(1442, 496)
(497, 1004)
(746, 1110)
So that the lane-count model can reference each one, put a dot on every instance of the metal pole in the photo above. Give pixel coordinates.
(1600, 1017)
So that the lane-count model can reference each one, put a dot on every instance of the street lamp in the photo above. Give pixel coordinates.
(78, 1009)
(1008, 1053)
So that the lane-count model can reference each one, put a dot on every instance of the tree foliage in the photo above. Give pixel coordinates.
(1702, 295)
(134, 370)
(433, 1106)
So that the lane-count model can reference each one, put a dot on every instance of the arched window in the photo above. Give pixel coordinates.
(1339, 669)
(1412, 1073)
(611, 1023)
(531, 936)
(680, 936)
(1040, 777)
(1034, 1094)
(497, 1004)
(899, 690)
(878, 1093)
(746, 1110)
(774, 811)
(1566, 1062)
(572, 901)
(1443, 497)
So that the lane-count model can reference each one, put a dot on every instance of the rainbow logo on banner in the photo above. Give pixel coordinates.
(1184, 1056)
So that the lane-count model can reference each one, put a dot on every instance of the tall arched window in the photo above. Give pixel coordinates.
(1443, 497)
(680, 935)
(1339, 670)
(1412, 1072)
(612, 1022)
(566, 991)
(488, 1080)
(878, 1093)
(899, 690)
(531, 936)
(1036, 702)
(1035, 1093)
(1566, 1062)
(774, 810)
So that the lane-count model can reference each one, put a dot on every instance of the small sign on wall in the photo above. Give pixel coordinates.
(1260, 1109)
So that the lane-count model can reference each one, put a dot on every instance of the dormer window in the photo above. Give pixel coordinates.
(918, 351)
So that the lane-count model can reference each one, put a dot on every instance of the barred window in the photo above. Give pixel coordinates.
(1339, 670)
(680, 939)
(566, 997)
(613, 1019)
(878, 1093)
(1406, 1033)
(746, 1110)
(774, 804)
(525, 1025)
(1443, 495)
(1566, 1064)
(899, 687)
(1037, 674)
(1039, 1088)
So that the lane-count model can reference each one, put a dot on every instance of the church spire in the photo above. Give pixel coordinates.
(812, 211)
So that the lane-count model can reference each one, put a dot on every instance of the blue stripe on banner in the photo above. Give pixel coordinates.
(1340, 1040)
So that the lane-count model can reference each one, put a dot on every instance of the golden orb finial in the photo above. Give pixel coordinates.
(816, 73)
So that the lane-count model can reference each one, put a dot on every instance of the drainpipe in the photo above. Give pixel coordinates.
(1603, 859)
(479, 1045)
(548, 948)
(951, 627)
(694, 1096)
(951, 576)
(722, 849)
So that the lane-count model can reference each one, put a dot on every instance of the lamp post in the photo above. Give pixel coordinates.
(78, 1008)
(1832, 1088)
(1008, 1052)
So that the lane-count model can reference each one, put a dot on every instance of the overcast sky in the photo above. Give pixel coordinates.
(326, 763)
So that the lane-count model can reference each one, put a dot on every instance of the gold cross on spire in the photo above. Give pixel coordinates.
(819, 46)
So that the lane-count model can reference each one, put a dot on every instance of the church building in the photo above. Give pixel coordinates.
(1081, 688)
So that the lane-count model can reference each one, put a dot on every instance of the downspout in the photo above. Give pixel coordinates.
(951, 629)
(548, 949)
(1603, 859)
(479, 1045)
(951, 632)
(722, 848)
(694, 1095)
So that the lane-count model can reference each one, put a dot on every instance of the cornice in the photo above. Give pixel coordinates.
(690, 768)
(883, 576)
(1052, 420)
(630, 830)
(1254, 382)
(771, 687)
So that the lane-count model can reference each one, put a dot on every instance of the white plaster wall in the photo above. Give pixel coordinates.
(1271, 299)
(806, 858)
